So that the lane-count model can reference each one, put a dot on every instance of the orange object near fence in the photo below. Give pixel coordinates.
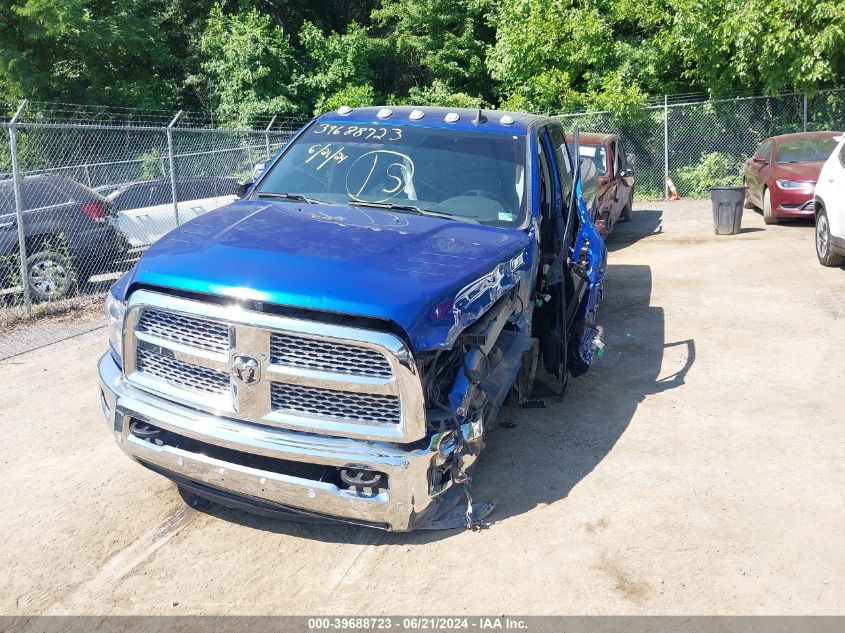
(672, 190)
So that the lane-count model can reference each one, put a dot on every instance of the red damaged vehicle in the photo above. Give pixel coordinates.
(615, 178)
(781, 175)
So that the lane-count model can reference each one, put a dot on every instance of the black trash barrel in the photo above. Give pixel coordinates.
(727, 209)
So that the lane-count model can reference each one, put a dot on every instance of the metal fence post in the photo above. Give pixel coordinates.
(172, 166)
(267, 135)
(805, 111)
(16, 177)
(665, 146)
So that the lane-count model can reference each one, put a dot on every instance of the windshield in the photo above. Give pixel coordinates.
(478, 176)
(805, 150)
(597, 154)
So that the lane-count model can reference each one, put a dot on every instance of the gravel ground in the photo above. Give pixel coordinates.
(698, 468)
(50, 324)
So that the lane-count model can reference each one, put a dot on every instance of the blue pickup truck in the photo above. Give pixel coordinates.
(337, 343)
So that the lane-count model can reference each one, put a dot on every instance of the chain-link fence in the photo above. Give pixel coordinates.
(703, 143)
(83, 192)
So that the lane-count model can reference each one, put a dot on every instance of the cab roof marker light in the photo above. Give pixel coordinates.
(506, 119)
(384, 113)
(452, 117)
(344, 110)
(416, 115)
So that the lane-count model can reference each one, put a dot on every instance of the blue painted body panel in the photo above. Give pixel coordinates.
(392, 266)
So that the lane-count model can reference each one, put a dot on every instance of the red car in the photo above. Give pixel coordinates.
(781, 176)
(615, 184)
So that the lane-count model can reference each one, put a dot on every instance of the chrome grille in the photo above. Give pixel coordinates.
(310, 353)
(313, 376)
(340, 405)
(188, 330)
(183, 374)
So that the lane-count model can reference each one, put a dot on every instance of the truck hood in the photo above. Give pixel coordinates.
(431, 276)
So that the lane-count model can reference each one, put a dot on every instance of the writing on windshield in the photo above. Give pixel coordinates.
(479, 176)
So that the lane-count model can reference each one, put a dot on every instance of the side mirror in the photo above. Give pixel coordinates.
(760, 160)
(257, 171)
(243, 187)
(632, 160)
(626, 173)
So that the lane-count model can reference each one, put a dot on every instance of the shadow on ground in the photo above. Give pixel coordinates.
(642, 224)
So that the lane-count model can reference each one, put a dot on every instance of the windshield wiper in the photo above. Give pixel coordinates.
(296, 197)
(410, 207)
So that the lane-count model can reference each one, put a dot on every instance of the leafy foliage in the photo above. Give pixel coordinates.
(248, 64)
(245, 59)
(714, 170)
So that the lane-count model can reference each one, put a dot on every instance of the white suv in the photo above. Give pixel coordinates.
(830, 208)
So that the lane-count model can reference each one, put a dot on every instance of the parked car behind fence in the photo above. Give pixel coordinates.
(66, 233)
(144, 211)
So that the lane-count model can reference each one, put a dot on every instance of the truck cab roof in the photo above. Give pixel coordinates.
(499, 121)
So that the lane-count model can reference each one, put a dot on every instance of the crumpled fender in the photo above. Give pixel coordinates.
(472, 301)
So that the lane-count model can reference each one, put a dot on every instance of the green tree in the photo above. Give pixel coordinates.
(438, 93)
(776, 45)
(562, 56)
(339, 68)
(248, 67)
(128, 53)
(442, 41)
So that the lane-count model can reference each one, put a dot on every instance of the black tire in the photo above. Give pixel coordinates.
(824, 247)
(768, 215)
(51, 276)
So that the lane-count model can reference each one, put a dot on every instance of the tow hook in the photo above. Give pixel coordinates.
(598, 342)
(146, 432)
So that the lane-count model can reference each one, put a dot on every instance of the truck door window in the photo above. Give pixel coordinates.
(546, 196)
(623, 156)
(563, 159)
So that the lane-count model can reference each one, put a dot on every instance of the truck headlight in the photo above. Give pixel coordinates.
(795, 185)
(115, 312)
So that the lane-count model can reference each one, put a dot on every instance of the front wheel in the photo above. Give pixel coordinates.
(768, 216)
(824, 248)
(50, 276)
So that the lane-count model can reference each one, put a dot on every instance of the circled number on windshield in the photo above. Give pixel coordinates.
(379, 175)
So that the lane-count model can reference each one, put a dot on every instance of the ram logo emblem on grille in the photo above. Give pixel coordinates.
(246, 369)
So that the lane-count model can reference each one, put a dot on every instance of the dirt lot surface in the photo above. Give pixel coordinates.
(698, 468)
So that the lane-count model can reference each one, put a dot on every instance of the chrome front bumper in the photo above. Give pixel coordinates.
(406, 504)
